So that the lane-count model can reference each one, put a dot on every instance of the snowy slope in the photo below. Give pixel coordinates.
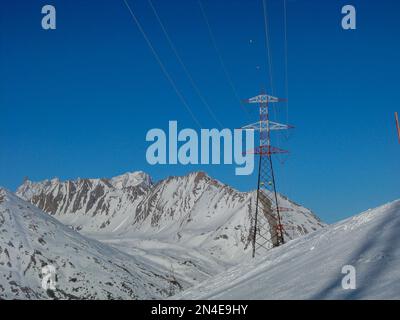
(310, 267)
(85, 268)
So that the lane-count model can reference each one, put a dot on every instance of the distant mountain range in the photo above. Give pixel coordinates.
(194, 210)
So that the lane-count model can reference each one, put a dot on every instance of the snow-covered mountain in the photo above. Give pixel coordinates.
(311, 267)
(85, 268)
(193, 211)
(89, 204)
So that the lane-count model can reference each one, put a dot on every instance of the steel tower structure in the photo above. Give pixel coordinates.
(267, 229)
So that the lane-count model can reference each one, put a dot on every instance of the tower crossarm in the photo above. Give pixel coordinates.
(272, 126)
(264, 98)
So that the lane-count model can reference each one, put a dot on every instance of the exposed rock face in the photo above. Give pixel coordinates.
(88, 198)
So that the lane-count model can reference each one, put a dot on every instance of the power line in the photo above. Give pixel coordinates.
(269, 57)
(224, 68)
(157, 57)
(286, 61)
(188, 74)
(268, 47)
(287, 134)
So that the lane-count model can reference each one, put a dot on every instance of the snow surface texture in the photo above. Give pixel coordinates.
(85, 268)
(192, 226)
(310, 267)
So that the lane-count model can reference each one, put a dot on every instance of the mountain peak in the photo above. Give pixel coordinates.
(130, 179)
(3, 194)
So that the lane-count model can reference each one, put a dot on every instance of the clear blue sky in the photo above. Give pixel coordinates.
(78, 101)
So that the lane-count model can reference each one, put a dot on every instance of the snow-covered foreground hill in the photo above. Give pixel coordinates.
(311, 267)
(85, 268)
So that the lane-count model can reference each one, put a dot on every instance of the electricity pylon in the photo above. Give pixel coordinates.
(267, 228)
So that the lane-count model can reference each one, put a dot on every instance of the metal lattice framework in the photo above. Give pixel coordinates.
(267, 229)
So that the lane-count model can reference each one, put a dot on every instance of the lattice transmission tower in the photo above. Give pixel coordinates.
(267, 228)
